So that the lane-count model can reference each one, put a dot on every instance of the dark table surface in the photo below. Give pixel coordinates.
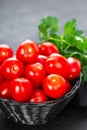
(18, 21)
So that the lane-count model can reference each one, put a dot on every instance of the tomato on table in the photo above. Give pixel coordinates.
(21, 89)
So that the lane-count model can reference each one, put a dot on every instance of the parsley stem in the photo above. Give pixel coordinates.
(57, 40)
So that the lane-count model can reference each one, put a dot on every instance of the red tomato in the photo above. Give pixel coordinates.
(5, 89)
(11, 68)
(35, 72)
(38, 96)
(47, 48)
(42, 59)
(68, 85)
(27, 51)
(21, 89)
(75, 67)
(57, 64)
(54, 85)
(5, 52)
(1, 77)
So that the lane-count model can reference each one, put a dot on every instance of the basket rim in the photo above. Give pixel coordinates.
(67, 95)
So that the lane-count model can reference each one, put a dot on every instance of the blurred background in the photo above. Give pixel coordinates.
(19, 18)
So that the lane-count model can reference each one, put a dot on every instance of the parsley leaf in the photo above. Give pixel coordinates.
(48, 27)
(71, 42)
(70, 28)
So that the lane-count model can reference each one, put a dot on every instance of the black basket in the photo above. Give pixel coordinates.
(37, 114)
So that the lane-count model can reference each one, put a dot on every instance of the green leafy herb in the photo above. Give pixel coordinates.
(71, 42)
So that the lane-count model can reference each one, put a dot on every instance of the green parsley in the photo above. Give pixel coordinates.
(71, 41)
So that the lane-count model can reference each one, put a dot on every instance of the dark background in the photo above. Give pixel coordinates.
(18, 21)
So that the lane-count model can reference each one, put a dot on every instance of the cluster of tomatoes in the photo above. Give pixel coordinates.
(36, 73)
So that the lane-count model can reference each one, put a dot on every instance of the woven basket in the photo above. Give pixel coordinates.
(32, 113)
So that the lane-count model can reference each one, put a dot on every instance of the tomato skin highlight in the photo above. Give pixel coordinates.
(57, 64)
(21, 89)
(47, 48)
(11, 68)
(75, 67)
(5, 52)
(5, 89)
(35, 72)
(27, 51)
(54, 86)
(38, 96)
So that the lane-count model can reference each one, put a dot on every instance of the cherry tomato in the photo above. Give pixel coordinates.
(68, 85)
(1, 77)
(5, 89)
(75, 67)
(11, 68)
(54, 86)
(57, 64)
(27, 51)
(5, 52)
(42, 59)
(21, 89)
(38, 96)
(47, 48)
(35, 72)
